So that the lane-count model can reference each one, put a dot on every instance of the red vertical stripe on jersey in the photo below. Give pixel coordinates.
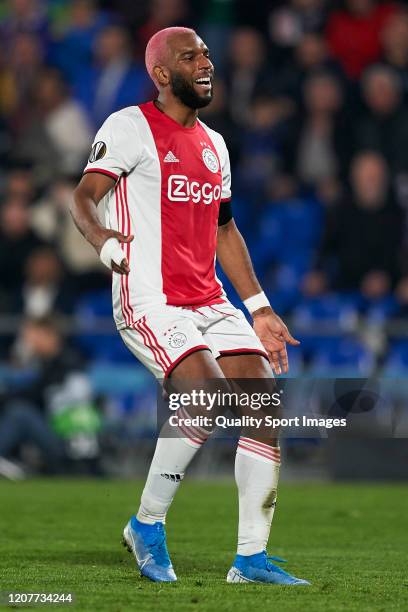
(123, 277)
(119, 218)
(122, 229)
(126, 231)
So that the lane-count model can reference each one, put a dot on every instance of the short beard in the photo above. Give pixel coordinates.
(186, 94)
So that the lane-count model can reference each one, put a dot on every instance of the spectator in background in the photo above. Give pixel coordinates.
(57, 391)
(262, 146)
(25, 16)
(75, 48)
(363, 236)
(292, 20)
(25, 59)
(310, 55)
(162, 14)
(317, 136)
(58, 131)
(216, 24)
(19, 184)
(17, 241)
(45, 289)
(51, 219)
(383, 124)
(64, 121)
(247, 72)
(394, 40)
(23, 418)
(115, 80)
(8, 94)
(354, 34)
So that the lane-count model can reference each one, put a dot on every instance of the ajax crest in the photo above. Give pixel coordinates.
(210, 160)
(177, 340)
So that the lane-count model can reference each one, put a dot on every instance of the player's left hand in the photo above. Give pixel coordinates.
(274, 335)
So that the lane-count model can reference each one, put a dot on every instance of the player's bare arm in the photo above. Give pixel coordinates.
(90, 191)
(234, 258)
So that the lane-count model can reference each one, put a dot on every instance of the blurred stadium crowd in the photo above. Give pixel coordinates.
(312, 99)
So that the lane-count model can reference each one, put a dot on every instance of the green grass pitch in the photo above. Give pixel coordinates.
(349, 540)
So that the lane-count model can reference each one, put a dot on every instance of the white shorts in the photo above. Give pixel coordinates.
(167, 334)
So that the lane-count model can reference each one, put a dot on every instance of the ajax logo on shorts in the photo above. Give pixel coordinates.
(181, 189)
(210, 160)
(177, 340)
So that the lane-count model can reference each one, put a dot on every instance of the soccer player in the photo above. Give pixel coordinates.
(164, 179)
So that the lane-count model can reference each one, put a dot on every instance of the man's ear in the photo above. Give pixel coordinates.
(162, 75)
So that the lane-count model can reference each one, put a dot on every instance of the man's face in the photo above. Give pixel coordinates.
(191, 71)
(40, 341)
(369, 180)
(382, 94)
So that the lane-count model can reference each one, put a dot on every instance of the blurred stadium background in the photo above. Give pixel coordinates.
(312, 99)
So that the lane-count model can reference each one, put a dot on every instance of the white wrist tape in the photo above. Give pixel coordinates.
(111, 251)
(256, 301)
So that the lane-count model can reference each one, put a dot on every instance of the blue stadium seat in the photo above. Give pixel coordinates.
(282, 300)
(374, 310)
(330, 309)
(396, 363)
(112, 379)
(95, 304)
(288, 231)
(282, 286)
(296, 222)
(243, 214)
(100, 345)
(378, 311)
(321, 322)
(347, 357)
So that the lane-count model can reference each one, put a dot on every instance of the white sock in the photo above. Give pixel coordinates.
(170, 461)
(256, 474)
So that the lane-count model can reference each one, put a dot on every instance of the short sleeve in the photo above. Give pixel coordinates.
(226, 176)
(116, 149)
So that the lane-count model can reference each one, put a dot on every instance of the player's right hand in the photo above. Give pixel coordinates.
(123, 267)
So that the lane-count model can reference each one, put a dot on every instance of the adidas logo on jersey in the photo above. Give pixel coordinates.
(170, 157)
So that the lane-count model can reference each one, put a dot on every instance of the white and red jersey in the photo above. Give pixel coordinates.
(170, 183)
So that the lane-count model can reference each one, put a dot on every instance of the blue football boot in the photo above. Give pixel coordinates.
(258, 568)
(148, 544)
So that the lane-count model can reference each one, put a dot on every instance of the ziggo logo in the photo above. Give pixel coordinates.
(180, 189)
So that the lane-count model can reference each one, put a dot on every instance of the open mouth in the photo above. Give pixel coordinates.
(204, 83)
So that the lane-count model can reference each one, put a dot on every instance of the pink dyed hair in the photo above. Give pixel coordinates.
(156, 48)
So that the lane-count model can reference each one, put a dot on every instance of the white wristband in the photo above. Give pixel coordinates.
(111, 251)
(255, 302)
